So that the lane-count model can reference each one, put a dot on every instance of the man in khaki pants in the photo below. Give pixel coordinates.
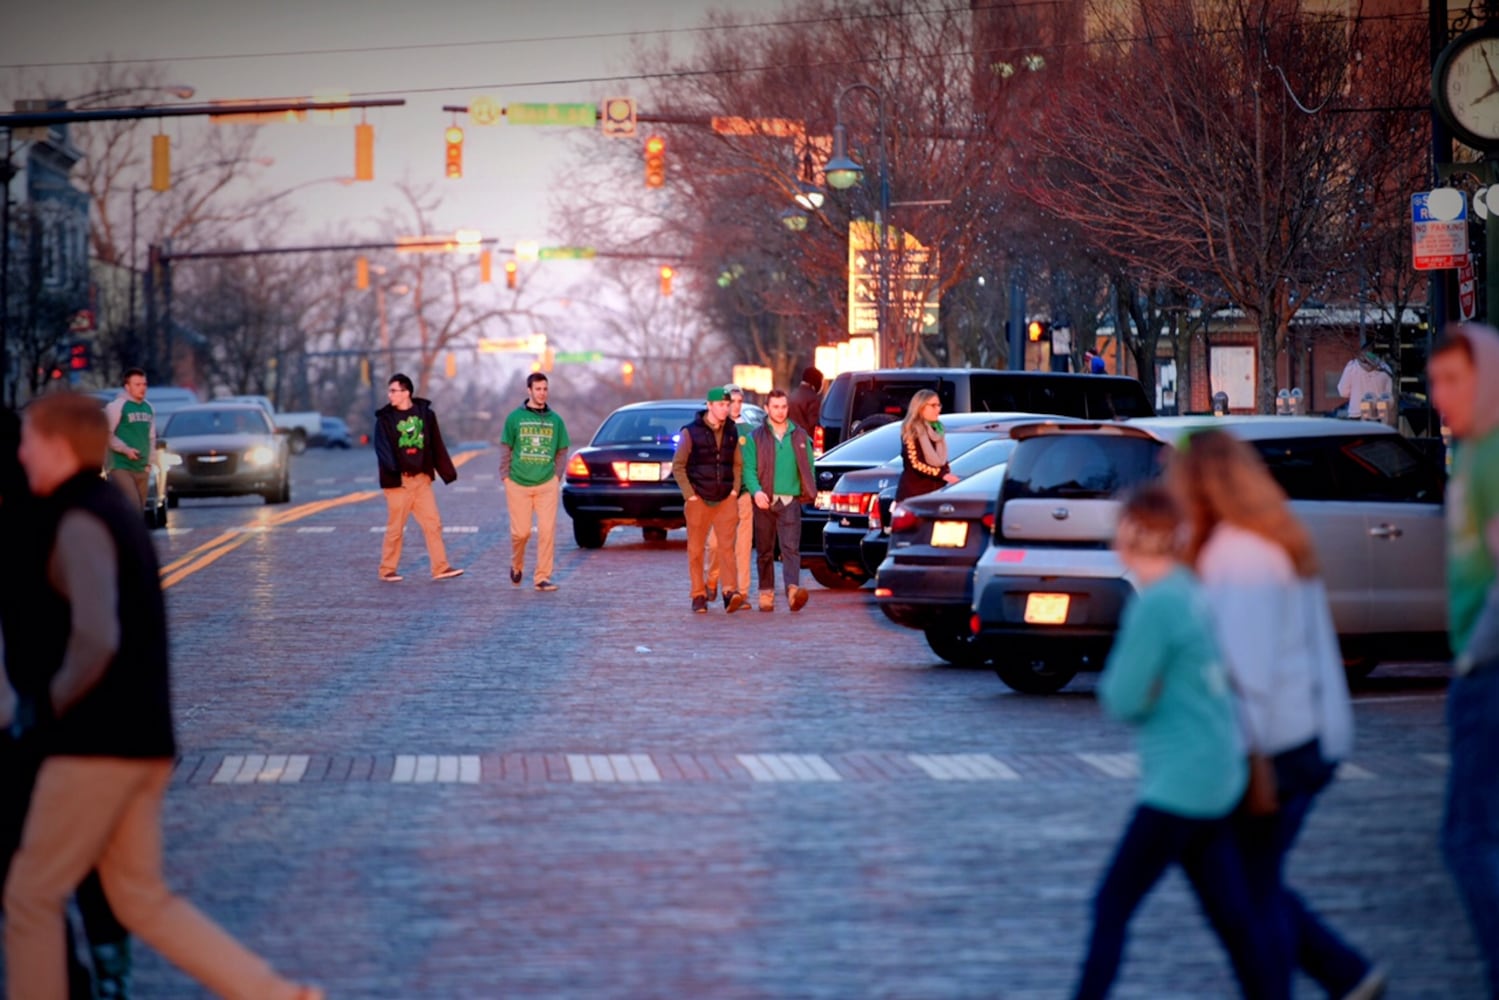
(409, 449)
(533, 453)
(744, 537)
(104, 718)
(707, 469)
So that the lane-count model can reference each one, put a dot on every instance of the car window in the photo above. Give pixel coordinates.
(985, 482)
(879, 445)
(834, 402)
(988, 453)
(1111, 400)
(885, 398)
(1379, 467)
(1079, 465)
(644, 426)
(195, 422)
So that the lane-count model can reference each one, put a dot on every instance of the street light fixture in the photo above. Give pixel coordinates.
(843, 173)
(808, 196)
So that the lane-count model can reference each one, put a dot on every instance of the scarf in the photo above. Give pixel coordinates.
(931, 443)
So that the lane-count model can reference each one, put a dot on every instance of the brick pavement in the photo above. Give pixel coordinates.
(835, 815)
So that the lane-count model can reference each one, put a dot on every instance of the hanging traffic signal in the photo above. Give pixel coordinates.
(161, 162)
(510, 269)
(627, 374)
(80, 356)
(364, 152)
(655, 162)
(361, 273)
(1036, 330)
(486, 268)
(451, 367)
(454, 139)
(666, 273)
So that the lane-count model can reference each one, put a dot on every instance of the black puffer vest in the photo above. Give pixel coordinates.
(710, 464)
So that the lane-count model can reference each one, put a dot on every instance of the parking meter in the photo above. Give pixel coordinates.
(1220, 404)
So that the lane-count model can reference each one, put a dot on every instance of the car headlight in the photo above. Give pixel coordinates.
(260, 455)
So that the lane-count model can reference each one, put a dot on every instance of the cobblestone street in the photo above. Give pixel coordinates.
(471, 789)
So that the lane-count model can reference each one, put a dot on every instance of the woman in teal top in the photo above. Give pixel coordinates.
(1165, 677)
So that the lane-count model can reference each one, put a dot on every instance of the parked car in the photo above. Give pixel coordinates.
(300, 427)
(926, 579)
(851, 541)
(1048, 590)
(225, 449)
(868, 451)
(856, 402)
(333, 432)
(623, 476)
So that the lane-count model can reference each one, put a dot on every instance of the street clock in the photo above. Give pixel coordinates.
(1465, 87)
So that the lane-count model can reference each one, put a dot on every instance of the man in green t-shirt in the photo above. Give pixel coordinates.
(1463, 374)
(533, 453)
(132, 437)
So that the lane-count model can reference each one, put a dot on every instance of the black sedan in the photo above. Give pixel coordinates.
(225, 449)
(926, 580)
(623, 477)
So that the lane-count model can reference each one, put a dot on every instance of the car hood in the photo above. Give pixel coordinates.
(218, 442)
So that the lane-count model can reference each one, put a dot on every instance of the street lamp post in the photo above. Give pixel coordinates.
(842, 173)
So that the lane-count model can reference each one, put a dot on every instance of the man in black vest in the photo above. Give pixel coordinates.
(99, 630)
(707, 467)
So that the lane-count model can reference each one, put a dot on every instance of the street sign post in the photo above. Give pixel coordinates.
(1439, 229)
(566, 253)
(912, 273)
(581, 115)
(1467, 289)
(577, 357)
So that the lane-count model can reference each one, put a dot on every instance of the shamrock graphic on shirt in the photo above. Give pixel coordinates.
(411, 433)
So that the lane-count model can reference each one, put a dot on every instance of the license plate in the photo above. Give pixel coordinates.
(1046, 609)
(824, 500)
(645, 472)
(950, 534)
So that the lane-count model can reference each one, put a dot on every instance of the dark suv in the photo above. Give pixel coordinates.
(859, 401)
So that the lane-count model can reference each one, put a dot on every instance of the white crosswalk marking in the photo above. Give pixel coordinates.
(788, 767)
(228, 768)
(1347, 770)
(1441, 760)
(459, 529)
(324, 481)
(316, 529)
(435, 769)
(179, 531)
(465, 489)
(1114, 765)
(964, 767)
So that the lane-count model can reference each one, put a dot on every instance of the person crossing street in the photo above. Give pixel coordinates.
(707, 468)
(744, 533)
(132, 437)
(533, 454)
(778, 475)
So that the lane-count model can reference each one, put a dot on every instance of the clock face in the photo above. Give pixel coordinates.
(1469, 87)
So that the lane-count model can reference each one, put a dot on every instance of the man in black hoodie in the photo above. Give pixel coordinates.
(409, 448)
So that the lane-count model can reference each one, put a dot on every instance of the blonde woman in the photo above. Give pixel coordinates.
(1260, 574)
(923, 448)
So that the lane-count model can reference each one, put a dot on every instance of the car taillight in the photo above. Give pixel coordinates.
(988, 520)
(883, 592)
(621, 471)
(817, 439)
(902, 519)
(975, 625)
(872, 505)
(577, 467)
(855, 503)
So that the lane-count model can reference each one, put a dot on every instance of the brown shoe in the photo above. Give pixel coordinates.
(767, 600)
(448, 573)
(733, 602)
(797, 596)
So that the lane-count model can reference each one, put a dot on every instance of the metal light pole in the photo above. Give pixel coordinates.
(842, 173)
(7, 174)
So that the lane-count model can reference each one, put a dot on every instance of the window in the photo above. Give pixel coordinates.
(644, 426)
(203, 422)
(1301, 466)
(1377, 468)
(880, 398)
(1080, 465)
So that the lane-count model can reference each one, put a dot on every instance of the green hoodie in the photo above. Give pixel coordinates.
(1473, 513)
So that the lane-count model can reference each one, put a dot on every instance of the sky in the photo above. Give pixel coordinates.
(431, 53)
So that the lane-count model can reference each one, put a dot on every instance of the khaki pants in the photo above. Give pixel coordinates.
(413, 498)
(744, 539)
(106, 812)
(137, 485)
(523, 502)
(720, 519)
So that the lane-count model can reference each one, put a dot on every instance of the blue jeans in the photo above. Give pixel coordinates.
(1298, 937)
(1153, 841)
(1470, 830)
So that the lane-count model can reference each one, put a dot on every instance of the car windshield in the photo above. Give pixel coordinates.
(190, 423)
(1080, 465)
(987, 454)
(984, 483)
(641, 426)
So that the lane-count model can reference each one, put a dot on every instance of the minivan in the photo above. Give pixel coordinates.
(859, 401)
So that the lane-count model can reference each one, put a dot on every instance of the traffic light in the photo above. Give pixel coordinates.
(161, 162)
(454, 139)
(80, 356)
(627, 374)
(666, 273)
(450, 369)
(655, 162)
(1036, 330)
(486, 267)
(510, 269)
(364, 152)
(361, 273)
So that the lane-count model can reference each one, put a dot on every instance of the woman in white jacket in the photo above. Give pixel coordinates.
(1275, 630)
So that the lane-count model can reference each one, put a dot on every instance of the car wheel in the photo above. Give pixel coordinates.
(1036, 676)
(588, 533)
(281, 494)
(173, 500)
(653, 534)
(956, 645)
(832, 579)
(297, 441)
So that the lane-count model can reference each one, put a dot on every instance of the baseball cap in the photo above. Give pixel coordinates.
(718, 394)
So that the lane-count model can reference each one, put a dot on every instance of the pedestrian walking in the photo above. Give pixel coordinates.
(778, 477)
(99, 626)
(132, 437)
(1275, 631)
(533, 454)
(410, 452)
(707, 467)
(744, 529)
(923, 449)
(1165, 676)
(806, 402)
(1464, 377)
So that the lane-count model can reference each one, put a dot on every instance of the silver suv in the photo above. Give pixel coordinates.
(1048, 590)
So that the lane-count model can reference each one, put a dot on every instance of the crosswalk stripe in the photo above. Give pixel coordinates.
(316, 529)
(1114, 765)
(1347, 770)
(964, 767)
(1441, 760)
(460, 529)
(788, 767)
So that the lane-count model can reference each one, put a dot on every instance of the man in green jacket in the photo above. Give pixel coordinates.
(533, 453)
(778, 475)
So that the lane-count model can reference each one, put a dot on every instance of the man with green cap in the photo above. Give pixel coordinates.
(708, 466)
